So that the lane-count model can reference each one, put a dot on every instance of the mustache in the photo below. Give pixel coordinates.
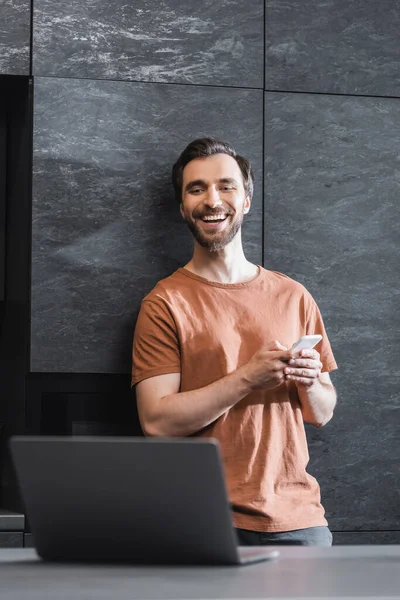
(198, 214)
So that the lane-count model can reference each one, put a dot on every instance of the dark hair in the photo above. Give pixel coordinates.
(203, 147)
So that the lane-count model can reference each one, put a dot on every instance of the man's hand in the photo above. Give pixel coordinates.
(304, 369)
(266, 369)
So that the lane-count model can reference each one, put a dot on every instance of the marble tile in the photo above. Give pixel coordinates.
(214, 43)
(357, 538)
(11, 521)
(332, 173)
(15, 17)
(339, 538)
(333, 46)
(105, 225)
(11, 539)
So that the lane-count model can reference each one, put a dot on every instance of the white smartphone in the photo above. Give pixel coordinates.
(307, 342)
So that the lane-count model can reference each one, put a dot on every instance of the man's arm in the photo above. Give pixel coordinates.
(164, 411)
(316, 392)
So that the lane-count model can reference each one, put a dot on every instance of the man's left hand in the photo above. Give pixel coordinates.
(305, 369)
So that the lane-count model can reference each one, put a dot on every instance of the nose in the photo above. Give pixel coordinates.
(212, 198)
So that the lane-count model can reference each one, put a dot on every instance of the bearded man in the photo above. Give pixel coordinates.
(211, 357)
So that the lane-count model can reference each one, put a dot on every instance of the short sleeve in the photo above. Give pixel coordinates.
(315, 325)
(155, 344)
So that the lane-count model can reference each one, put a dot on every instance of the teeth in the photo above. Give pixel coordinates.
(216, 218)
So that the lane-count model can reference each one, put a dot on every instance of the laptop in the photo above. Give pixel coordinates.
(129, 500)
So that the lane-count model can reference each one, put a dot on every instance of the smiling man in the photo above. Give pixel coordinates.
(211, 358)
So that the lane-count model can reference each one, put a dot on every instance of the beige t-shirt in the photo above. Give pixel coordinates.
(205, 330)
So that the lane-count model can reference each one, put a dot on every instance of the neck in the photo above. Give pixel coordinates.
(228, 265)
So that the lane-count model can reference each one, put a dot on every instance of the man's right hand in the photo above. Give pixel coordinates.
(266, 368)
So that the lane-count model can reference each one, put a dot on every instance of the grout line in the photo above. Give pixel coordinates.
(31, 41)
(263, 137)
(330, 94)
(210, 85)
(265, 46)
(30, 250)
(186, 84)
(263, 183)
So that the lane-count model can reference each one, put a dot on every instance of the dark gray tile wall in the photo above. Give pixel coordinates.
(11, 539)
(333, 47)
(358, 538)
(105, 225)
(216, 43)
(331, 221)
(340, 538)
(11, 521)
(15, 16)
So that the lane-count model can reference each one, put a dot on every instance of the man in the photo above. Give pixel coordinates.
(210, 357)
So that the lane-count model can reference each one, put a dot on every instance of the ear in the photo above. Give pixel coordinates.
(247, 204)
(182, 211)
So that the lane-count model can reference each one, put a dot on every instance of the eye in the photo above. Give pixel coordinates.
(227, 188)
(196, 191)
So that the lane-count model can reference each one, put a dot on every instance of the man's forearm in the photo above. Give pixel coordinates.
(184, 413)
(317, 403)
(164, 411)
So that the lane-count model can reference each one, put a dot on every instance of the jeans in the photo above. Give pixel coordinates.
(311, 536)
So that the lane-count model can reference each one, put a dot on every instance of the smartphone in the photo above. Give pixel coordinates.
(307, 342)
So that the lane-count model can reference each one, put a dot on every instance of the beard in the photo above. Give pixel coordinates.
(214, 242)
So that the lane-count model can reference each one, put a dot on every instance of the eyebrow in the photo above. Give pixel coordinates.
(202, 183)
